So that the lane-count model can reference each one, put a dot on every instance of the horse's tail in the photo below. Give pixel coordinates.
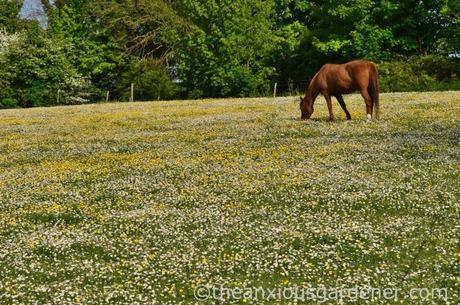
(374, 89)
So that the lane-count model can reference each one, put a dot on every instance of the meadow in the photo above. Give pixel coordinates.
(140, 203)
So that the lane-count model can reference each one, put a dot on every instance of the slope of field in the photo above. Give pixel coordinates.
(140, 203)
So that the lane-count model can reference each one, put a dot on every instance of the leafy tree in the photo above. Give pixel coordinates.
(36, 71)
(450, 42)
(117, 40)
(9, 11)
(217, 47)
(417, 26)
(225, 54)
(95, 55)
(316, 32)
(151, 80)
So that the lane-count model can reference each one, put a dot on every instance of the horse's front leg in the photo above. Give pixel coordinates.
(329, 106)
(344, 107)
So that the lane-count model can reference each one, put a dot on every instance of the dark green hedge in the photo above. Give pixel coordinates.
(421, 73)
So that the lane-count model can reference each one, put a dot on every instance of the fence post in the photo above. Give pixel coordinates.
(107, 96)
(58, 96)
(274, 90)
(131, 99)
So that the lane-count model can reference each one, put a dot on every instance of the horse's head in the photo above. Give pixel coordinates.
(306, 108)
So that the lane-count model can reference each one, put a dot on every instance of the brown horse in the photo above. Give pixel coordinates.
(335, 80)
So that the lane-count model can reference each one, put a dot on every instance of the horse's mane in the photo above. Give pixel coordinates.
(312, 84)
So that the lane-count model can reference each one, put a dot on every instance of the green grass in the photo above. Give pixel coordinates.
(138, 203)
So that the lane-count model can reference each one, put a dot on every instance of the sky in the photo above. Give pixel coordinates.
(33, 9)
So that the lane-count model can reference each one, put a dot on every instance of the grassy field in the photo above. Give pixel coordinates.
(140, 203)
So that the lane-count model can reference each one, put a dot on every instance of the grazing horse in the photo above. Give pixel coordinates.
(335, 80)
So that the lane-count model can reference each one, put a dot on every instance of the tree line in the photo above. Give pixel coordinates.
(217, 48)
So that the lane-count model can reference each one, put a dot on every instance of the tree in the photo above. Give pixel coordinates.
(316, 32)
(115, 40)
(36, 71)
(151, 80)
(9, 11)
(145, 28)
(213, 48)
(417, 25)
(450, 42)
(225, 53)
(96, 53)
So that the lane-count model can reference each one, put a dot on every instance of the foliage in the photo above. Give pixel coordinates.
(225, 53)
(6, 40)
(151, 82)
(337, 31)
(450, 42)
(221, 48)
(427, 73)
(9, 11)
(112, 38)
(97, 55)
(144, 28)
(36, 71)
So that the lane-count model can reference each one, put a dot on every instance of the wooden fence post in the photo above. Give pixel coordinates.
(107, 96)
(131, 99)
(274, 90)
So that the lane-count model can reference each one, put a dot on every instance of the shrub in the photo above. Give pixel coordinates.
(151, 82)
(421, 73)
(8, 103)
(34, 68)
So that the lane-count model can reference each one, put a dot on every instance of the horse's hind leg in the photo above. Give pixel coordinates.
(368, 100)
(344, 107)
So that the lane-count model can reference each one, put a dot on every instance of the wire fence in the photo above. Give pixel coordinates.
(290, 87)
(280, 88)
